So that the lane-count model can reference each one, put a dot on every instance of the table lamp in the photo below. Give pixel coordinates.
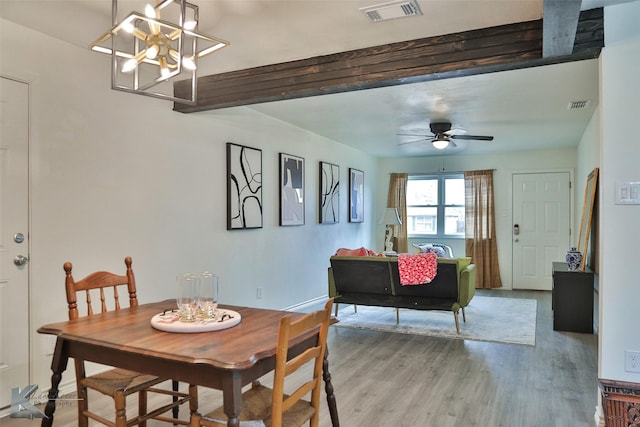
(389, 218)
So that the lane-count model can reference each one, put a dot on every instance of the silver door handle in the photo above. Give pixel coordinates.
(20, 260)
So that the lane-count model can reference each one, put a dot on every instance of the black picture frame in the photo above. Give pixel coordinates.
(244, 187)
(356, 195)
(292, 183)
(329, 193)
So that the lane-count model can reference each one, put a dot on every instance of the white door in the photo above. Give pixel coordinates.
(14, 227)
(541, 226)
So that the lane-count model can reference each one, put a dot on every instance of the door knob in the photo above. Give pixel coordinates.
(20, 260)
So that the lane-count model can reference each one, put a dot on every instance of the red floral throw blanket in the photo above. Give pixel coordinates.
(416, 269)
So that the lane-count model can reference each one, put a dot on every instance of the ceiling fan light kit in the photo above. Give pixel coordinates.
(440, 142)
(150, 51)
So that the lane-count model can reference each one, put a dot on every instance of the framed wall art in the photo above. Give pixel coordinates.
(356, 195)
(291, 190)
(329, 193)
(244, 187)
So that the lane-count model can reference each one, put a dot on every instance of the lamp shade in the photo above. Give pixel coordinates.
(390, 217)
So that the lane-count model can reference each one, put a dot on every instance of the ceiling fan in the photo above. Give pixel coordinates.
(442, 135)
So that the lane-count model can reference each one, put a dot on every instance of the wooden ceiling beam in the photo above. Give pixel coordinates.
(501, 48)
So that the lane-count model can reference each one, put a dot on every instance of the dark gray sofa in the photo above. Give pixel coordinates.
(375, 281)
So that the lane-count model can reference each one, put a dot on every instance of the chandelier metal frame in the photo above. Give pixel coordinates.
(149, 54)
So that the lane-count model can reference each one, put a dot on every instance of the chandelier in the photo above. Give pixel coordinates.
(151, 51)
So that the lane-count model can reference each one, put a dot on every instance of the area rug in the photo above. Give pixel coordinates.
(495, 319)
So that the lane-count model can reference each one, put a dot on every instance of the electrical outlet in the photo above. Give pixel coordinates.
(258, 293)
(632, 361)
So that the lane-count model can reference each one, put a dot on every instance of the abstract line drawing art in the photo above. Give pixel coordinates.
(291, 190)
(356, 195)
(244, 187)
(329, 193)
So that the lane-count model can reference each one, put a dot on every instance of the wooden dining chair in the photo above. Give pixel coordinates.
(118, 383)
(272, 406)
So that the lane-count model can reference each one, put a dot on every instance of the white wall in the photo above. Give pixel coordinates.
(505, 164)
(620, 161)
(115, 174)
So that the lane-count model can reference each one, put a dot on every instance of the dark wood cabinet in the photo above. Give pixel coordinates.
(572, 299)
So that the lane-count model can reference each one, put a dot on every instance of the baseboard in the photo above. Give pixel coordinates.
(308, 306)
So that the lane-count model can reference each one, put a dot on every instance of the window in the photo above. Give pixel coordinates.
(435, 205)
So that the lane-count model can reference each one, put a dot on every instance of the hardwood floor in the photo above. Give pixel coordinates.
(397, 380)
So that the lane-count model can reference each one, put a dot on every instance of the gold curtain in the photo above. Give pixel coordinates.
(480, 228)
(397, 198)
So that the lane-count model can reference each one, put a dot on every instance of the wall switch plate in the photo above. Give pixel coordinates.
(627, 193)
(632, 361)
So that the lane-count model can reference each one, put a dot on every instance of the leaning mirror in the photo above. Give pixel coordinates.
(587, 215)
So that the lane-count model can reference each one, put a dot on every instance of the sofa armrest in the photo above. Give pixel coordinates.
(467, 285)
(332, 284)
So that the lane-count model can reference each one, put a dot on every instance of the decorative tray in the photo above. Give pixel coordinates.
(169, 322)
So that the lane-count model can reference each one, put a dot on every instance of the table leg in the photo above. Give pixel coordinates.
(232, 398)
(58, 366)
(328, 388)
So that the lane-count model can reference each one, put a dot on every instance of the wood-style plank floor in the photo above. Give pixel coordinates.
(397, 380)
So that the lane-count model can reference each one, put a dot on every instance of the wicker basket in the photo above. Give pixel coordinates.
(621, 403)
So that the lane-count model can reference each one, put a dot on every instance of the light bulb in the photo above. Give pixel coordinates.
(150, 11)
(190, 25)
(188, 63)
(129, 65)
(132, 63)
(164, 69)
(131, 29)
(152, 51)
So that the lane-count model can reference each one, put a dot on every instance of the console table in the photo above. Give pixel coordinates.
(572, 299)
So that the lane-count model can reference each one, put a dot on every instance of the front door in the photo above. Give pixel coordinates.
(14, 243)
(541, 226)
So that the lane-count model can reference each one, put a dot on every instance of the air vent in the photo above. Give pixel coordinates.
(578, 105)
(391, 10)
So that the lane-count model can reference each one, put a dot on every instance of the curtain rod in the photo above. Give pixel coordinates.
(440, 172)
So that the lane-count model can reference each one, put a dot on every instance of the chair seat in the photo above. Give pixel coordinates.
(114, 380)
(256, 404)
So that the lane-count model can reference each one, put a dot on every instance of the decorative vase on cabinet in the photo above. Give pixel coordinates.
(574, 259)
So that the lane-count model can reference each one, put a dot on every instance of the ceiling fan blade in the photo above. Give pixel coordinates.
(423, 135)
(455, 131)
(411, 142)
(474, 137)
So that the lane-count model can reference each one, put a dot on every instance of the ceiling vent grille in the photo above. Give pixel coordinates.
(391, 10)
(578, 105)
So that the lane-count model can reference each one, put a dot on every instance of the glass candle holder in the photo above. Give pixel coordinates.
(208, 294)
(188, 297)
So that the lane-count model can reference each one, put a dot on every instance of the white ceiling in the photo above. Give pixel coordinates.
(523, 109)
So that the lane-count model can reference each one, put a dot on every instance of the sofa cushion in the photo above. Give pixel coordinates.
(361, 251)
(442, 251)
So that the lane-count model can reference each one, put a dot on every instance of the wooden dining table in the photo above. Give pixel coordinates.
(225, 359)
